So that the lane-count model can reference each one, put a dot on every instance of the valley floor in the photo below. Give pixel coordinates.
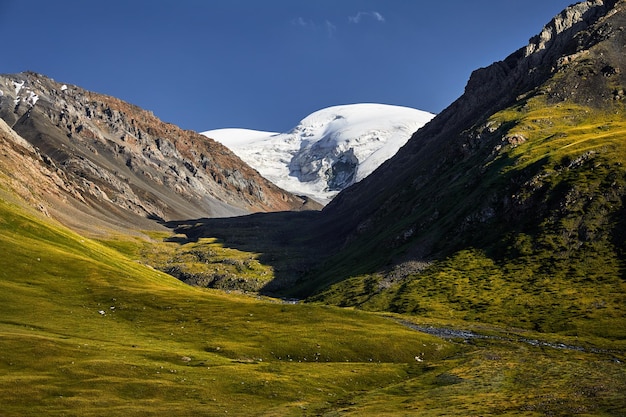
(87, 330)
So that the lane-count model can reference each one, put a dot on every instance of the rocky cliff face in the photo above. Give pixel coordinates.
(123, 163)
(562, 40)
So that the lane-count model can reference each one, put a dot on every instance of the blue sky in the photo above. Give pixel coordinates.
(208, 64)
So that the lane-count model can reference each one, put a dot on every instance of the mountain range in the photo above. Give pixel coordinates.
(328, 150)
(480, 270)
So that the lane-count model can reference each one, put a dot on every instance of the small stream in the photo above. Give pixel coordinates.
(466, 335)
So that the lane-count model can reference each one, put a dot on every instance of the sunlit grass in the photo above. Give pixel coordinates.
(562, 130)
(88, 331)
(92, 328)
(204, 263)
(85, 330)
(557, 266)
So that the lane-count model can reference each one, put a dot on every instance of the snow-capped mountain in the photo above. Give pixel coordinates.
(328, 150)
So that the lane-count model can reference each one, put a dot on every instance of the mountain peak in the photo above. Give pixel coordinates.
(566, 24)
(329, 149)
(561, 40)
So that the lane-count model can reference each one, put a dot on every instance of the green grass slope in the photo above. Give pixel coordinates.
(87, 331)
(204, 262)
(527, 230)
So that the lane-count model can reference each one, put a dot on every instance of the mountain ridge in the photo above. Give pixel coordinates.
(122, 163)
(481, 95)
(524, 172)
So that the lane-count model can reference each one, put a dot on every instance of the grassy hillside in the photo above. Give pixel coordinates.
(86, 331)
(204, 262)
(527, 232)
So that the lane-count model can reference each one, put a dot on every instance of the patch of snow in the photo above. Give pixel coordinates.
(18, 86)
(29, 97)
(238, 137)
(63, 87)
(328, 150)
(32, 98)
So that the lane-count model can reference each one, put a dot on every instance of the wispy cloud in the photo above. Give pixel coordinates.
(330, 29)
(300, 21)
(360, 15)
(327, 26)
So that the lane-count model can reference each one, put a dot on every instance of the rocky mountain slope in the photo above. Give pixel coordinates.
(515, 192)
(572, 69)
(328, 150)
(114, 163)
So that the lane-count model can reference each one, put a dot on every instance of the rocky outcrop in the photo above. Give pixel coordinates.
(116, 155)
(500, 84)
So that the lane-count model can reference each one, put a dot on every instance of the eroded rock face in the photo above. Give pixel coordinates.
(560, 30)
(115, 154)
(564, 39)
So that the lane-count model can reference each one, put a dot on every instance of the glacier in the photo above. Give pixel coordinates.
(328, 150)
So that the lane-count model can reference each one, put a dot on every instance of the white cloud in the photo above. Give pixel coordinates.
(327, 26)
(360, 15)
(330, 28)
(299, 21)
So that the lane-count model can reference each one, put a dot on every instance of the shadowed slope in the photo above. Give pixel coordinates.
(477, 172)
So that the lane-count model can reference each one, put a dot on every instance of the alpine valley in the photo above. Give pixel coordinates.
(476, 266)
